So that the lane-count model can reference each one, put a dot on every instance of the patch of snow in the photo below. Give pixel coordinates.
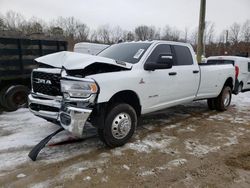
(147, 173)
(73, 170)
(154, 141)
(197, 149)
(99, 170)
(82, 169)
(21, 175)
(87, 178)
(105, 179)
(126, 167)
(43, 184)
(172, 164)
(231, 141)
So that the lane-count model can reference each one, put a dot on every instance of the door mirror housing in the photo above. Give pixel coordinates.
(164, 61)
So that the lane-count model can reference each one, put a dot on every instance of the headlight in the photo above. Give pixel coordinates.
(78, 89)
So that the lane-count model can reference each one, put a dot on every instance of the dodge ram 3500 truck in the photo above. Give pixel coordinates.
(126, 80)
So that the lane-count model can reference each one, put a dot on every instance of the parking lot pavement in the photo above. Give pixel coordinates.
(184, 146)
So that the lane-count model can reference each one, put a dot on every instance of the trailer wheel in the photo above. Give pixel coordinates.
(120, 125)
(211, 104)
(224, 99)
(16, 97)
(2, 96)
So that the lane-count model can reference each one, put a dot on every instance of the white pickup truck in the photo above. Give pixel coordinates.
(126, 80)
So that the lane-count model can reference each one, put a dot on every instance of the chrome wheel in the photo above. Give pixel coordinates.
(121, 126)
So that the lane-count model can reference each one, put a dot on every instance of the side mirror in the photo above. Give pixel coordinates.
(164, 61)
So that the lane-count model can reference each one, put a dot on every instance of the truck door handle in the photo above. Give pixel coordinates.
(196, 71)
(172, 73)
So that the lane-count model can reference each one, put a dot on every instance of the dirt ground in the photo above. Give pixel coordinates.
(184, 146)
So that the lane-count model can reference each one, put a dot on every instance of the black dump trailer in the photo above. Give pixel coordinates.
(16, 64)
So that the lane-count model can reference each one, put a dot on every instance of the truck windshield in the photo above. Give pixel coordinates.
(127, 52)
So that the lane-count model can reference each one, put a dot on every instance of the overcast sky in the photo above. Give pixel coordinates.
(130, 13)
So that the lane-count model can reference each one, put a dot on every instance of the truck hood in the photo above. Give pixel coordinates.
(74, 61)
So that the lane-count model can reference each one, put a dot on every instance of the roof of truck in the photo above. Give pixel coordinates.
(161, 41)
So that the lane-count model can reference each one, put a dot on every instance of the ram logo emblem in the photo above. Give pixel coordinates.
(42, 81)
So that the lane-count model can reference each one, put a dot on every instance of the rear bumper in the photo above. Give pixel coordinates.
(71, 118)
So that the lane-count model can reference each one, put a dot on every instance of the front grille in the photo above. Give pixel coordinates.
(46, 83)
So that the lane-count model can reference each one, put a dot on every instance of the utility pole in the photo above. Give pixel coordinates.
(201, 30)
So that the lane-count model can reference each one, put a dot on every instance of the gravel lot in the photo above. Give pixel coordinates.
(184, 146)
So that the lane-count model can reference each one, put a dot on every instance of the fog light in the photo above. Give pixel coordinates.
(65, 119)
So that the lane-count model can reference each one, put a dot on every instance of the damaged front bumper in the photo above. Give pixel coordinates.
(65, 112)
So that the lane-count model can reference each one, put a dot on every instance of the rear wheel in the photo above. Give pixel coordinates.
(120, 125)
(240, 88)
(224, 99)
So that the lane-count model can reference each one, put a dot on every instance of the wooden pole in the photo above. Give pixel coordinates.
(201, 30)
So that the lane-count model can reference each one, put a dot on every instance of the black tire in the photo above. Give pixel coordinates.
(240, 88)
(120, 125)
(101, 135)
(3, 102)
(211, 104)
(224, 99)
(16, 97)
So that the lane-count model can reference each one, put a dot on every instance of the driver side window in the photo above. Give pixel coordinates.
(160, 49)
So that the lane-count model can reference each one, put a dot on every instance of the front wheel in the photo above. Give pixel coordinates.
(224, 99)
(120, 125)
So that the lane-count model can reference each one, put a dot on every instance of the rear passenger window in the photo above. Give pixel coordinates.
(183, 55)
(248, 66)
(160, 49)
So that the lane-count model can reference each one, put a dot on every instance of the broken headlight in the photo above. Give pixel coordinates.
(78, 89)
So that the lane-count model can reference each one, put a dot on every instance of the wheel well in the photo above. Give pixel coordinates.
(129, 97)
(229, 82)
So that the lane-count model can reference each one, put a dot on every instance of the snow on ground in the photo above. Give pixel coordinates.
(21, 130)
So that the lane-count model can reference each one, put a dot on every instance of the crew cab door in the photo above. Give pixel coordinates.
(187, 74)
(174, 85)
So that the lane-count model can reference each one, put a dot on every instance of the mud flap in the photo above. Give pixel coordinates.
(36, 150)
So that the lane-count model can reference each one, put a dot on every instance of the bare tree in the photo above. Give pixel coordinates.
(234, 33)
(128, 36)
(116, 34)
(171, 34)
(194, 37)
(82, 32)
(14, 21)
(104, 33)
(245, 32)
(209, 33)
(93, 37)
(56, 32)
(186, 34)
(144, 32)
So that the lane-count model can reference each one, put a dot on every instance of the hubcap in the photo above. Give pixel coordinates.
(121, 126)
(227, 99)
